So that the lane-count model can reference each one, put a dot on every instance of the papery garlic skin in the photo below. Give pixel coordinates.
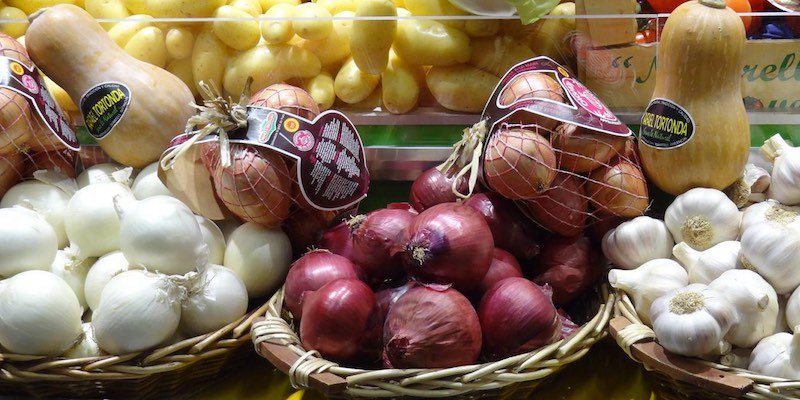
(755, 303)
(777, 355)
(793, 309)
(702, 218)
(649, 282)
(757, 178)
(773, 250)
(785, 185)
(637, 241)
(707, 265)
(692, 321)
(771, 210)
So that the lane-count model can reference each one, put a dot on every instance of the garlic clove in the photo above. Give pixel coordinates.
(705, 266)
(649, 282)
(755, 303)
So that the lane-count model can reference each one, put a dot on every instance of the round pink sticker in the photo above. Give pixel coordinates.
(587, 99)
(30, 84)
(303, 140)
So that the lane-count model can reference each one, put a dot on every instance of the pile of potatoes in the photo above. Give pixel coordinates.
(349, 53)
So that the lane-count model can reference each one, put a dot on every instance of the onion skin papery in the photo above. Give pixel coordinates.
(564, 208)
(433, 187)
(619, 189)
(508, 225)
(581, 149)
(449, 243)
(387, 297)
(339, 240)
(533, 85)
(312, 271)
(432, 327)
(341, 320)
(569, 266)
(375, 238)
(503, 266)
(519, 163)
(516, 317)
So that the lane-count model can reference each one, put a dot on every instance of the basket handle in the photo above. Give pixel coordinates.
(283, 358)
(656, 358)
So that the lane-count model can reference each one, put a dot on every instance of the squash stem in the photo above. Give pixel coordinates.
(774, 147)
(714, 3)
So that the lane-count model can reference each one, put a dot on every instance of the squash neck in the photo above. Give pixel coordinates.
(714, 3)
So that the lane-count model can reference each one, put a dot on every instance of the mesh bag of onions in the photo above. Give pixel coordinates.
(26, 143)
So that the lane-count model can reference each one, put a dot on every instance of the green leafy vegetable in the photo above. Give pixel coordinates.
(531, 10)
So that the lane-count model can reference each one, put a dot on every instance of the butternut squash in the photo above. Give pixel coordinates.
(133, 108)
(695, 131)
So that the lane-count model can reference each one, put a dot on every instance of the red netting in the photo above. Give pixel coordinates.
(567, 178)
(256, 187)
(286, 98)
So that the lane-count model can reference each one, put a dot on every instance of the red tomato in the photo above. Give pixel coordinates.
(741, 6)
(758, 5)
(665, 6)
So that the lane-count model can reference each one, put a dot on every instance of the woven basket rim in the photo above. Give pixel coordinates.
(30, 369)
(307, 369)
(763, 387)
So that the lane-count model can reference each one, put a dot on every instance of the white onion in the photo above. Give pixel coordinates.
(27, 241)
(138, 310)
(39, 314)
(213, 238)
(259, 256)
(161, 233)
(44, 198)
(73, 271)
(100, 273)
(102, 173)
(147, 184)
(227, 226)
(87, 346)
(92, 222)
(217, 297)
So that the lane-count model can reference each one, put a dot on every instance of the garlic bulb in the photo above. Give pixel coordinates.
(705, 266)
(758, 178)
(754, 180)
(793, 309)
(692, 321)
(702, 218)
(649, 282)
(771, 210)
(755, 303)
(777, 355)
(772, 250)
(785, 186)
(736, 358)
(781, 322)
(637, 241)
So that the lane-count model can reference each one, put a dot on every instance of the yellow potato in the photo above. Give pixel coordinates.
(481, 27)
(497, 55)
(428, 42)
(13, 29)
(30, 6)
(279, 30)
(108, 9)
(371, 103)
(123, 31)
(353, 85)
(371, 40)
(436, 8)
(136, 6)
(335, 48)
(179, 42)
(269, 64)
(60, 95)
(400, 85)
(461, 87)
(321, 90)
(267, 4)
(402, 12)
(313, 21)
(336, 6)
(209, 56)
(182, 8)
(148, 45)
(183, 70)
(239, 35)
(252, 7)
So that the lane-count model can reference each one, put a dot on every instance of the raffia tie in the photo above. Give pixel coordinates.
(466, 156)
(632, 334)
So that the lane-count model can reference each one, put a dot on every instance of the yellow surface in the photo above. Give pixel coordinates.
(605, 373)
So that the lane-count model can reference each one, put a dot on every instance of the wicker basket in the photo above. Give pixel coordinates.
(677, 377)
(175, 371)
(276, 341)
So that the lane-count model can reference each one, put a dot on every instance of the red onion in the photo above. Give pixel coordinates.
(375, 237)
(604, 223)
(339, 240)
(567, 326)
(564, 208)
(433, 187)
(342, 322)
(570, 266)
(402, 206)
(312, 271)
(508, 225)
(504, 265)
(387, 297)
(304, 228)
(517, 317)
(449, 243)
(432, 327)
